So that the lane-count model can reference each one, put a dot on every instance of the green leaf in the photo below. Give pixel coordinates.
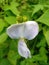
(42, 42)
(28, 62)
(3, 37)
(14, 47)
(44, 18)
(5, 62)
(44, 2)
(6, 7)
(36, 58)
(13, 53)
(2, 24)
(1, 1)
(46, 34)
(43, 63)
(39, 58)
(12, 57)
(10, 20)
(37, 8)
(43, 55)
(42, 51)
(9, 13)
(14, 4)
(13, 8)
(3, 49)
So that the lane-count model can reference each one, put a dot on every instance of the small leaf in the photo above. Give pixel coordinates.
(3, 49)
(43, 55)
(5, 62)
(12, 57)
(42, 51)
(3, 37)
(10, 19)
(6, 7)
(13, 8)
(37, 8)
(42, 42)
(46, 34)
(2, 24)
(44, 18)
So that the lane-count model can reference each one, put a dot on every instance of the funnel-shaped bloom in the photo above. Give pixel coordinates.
(27, 30)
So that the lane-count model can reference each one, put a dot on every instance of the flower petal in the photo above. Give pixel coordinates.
(31, 30)
(23, 49)
(28, 30)
(15, 31)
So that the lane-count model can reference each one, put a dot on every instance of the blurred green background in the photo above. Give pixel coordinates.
(18, 11)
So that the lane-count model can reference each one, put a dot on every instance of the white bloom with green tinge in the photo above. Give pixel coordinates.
(21, 31)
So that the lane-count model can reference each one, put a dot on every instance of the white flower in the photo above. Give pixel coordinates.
(27, 30)
(23, 49)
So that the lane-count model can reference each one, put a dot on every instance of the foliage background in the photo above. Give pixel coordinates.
(14, 11)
